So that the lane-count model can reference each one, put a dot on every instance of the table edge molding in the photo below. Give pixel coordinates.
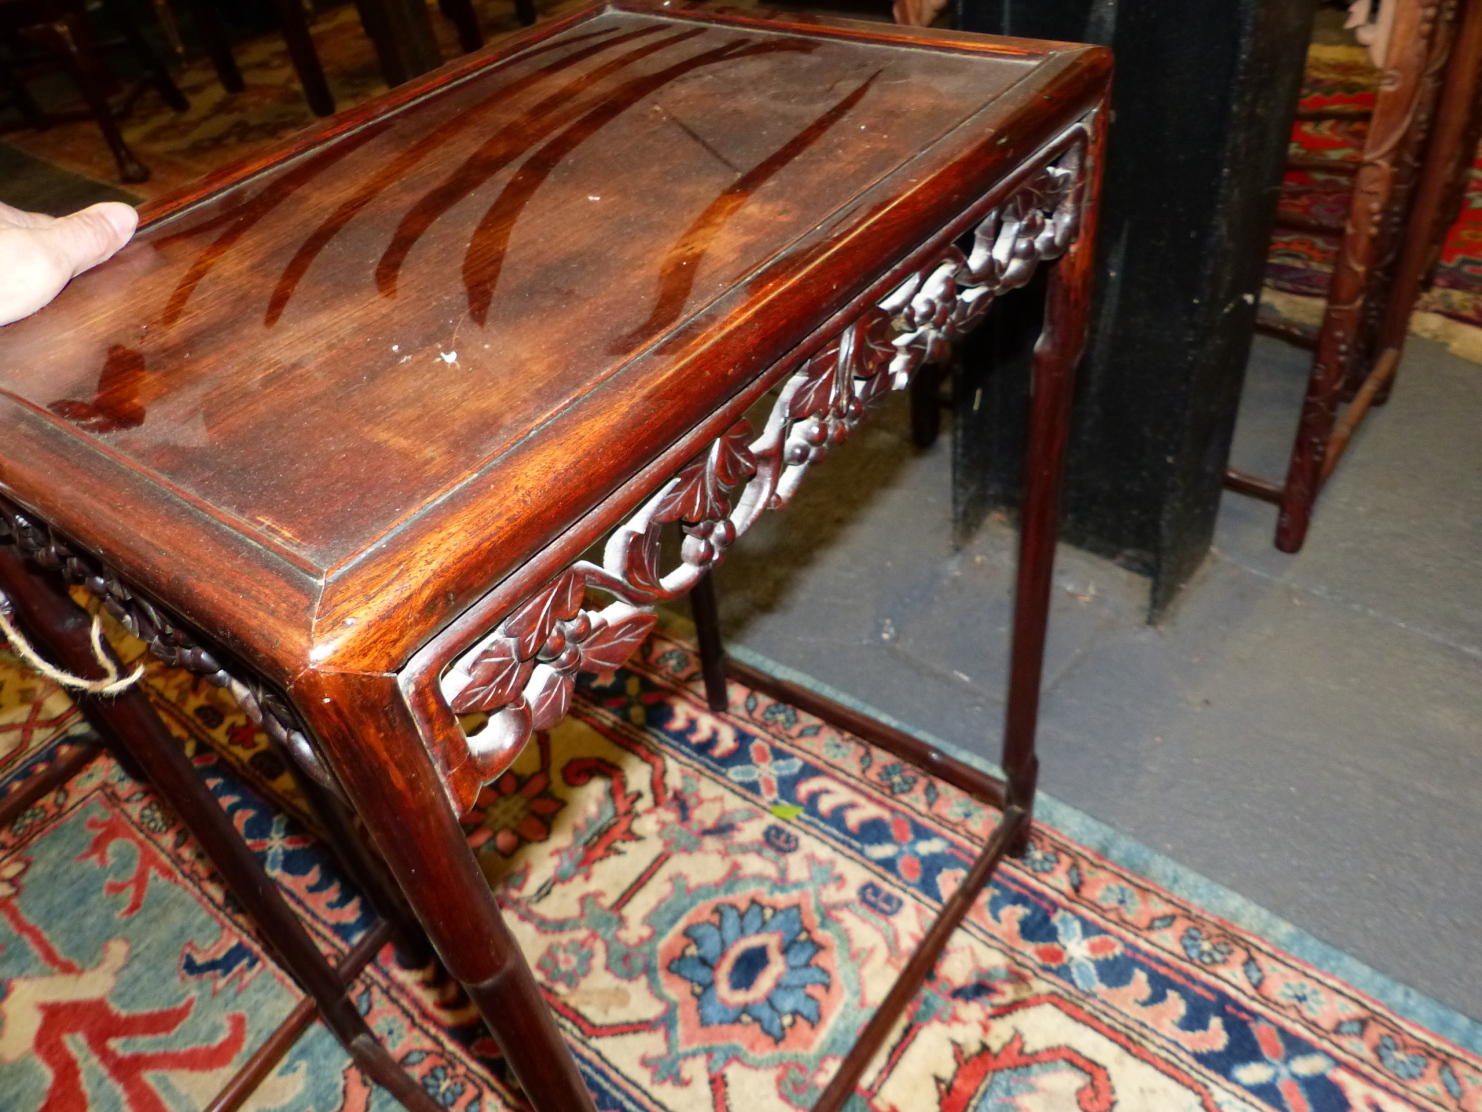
(520, 670)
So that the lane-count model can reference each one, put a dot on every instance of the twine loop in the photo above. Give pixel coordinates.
(112, 682)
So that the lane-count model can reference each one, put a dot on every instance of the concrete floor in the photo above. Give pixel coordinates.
(1306, 730)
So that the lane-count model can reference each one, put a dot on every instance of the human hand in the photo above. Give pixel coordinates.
(41, 254)
(917, 13)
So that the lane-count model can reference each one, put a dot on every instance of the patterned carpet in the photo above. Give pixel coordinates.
(1301, 262)
(712, 904)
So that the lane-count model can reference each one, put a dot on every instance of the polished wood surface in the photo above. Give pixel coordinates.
(372, 377)
(336, 431)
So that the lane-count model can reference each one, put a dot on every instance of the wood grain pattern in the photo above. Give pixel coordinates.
(1363, 271)
(347, 416)
(290, 370)
(524, 671)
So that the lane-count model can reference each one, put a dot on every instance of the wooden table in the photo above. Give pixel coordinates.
(337, 427)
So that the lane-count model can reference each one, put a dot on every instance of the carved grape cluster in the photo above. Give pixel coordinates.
(524, 672)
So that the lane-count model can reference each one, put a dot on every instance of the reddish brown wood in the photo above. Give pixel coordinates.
(707, 633)
(1443, 177)
(214, 41)
(48, 779)
(280, 1042)
(1012, 827)
(978, 784)
(364, 868)
(59, 628)
(1398, 130)
(1252, 486)
(1055, 357)
(366, 732)
(1377, 381)
(1319, 225)
(275, 420)
(1325, 165)
(1303, 335)
(59, 27)
(1363, 332)
(432, 483)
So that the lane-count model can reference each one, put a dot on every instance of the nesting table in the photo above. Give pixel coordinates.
(337, 429)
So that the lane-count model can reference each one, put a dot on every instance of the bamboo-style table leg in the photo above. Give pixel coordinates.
(1055, 357)
(60, 629)
(373, 746)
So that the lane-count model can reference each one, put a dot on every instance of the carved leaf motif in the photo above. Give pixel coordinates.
(732, 455)
(873, 349)
(549, 696)
(531, 624)
(641, 560)
(610, 645)
(497, 676)
(701, 491)
(819, 392)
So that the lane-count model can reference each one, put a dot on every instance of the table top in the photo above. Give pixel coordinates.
(325, 401)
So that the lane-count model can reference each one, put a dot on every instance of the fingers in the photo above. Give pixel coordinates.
(41, 258)
(86, 238)
(11, 217)
(917, 13)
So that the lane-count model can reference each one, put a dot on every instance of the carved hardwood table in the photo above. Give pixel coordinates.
(337, 428)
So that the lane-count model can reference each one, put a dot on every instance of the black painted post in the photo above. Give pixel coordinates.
(1203, 100)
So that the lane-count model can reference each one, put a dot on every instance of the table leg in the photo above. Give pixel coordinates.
(371, 741)
(64, 40)
(60, 628)
(365, 870)
(218, 49)
(402, 35)
(159, 77)
(461, 14)
(707, 632)
(295, 30)
(1051, 390)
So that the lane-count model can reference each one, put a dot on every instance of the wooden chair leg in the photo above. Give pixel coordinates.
(525, 11)
(159, 77)
(365, 869)
(218, 49)
(461, 14)
(295, 30)
(21, 97)
(60, 628)
(706, 614)
(63, 38)
(403, 38)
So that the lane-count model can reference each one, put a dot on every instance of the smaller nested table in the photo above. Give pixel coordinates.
(336, 429)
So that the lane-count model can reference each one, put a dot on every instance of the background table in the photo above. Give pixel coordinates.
(338, 426)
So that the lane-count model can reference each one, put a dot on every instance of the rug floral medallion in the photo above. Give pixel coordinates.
(713, 904)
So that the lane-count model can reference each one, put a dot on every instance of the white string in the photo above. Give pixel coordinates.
(110, 684)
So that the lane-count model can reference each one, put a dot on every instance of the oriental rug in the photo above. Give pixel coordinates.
(713, 904)
(1301, 262)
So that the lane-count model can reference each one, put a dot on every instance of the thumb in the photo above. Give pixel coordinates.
(87, 237)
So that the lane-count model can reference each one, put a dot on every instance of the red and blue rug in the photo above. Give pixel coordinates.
(1301, 262)
(713, 904)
